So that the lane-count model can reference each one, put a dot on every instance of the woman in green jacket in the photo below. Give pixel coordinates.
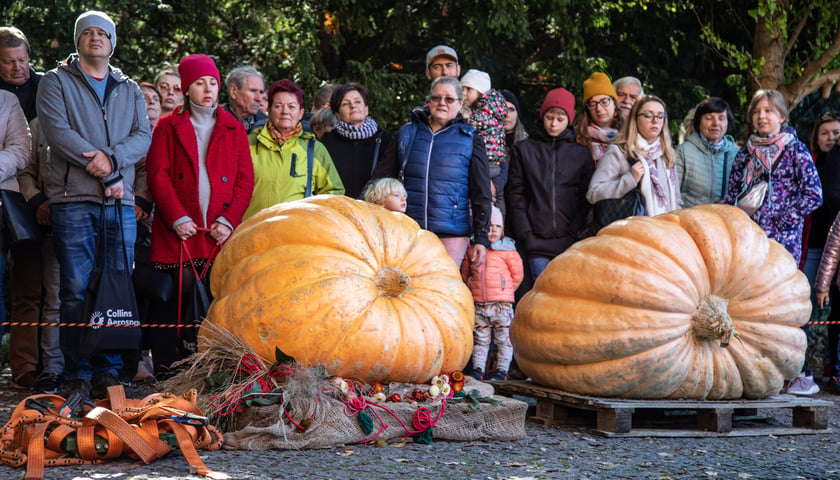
(705, 158)
(288, 163)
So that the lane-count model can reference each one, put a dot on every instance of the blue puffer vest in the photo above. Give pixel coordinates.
(436, 172)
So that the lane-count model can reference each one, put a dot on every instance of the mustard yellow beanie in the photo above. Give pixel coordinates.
(598, 84)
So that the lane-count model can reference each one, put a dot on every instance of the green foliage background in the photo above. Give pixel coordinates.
(682, 50)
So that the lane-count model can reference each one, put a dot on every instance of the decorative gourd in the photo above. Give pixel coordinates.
(646, 308)
(345, 284)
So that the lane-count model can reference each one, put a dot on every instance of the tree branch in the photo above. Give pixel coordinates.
(795, 93)
(797, 31)
(813, 68)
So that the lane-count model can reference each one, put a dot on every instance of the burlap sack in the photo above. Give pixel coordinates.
(267, 428)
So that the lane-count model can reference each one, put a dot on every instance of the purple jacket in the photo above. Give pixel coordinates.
(796, 192)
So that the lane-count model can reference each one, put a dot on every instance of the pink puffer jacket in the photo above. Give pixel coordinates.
(497, 279)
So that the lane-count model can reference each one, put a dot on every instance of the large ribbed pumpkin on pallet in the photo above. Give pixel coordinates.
(345, 284)
(695, 304)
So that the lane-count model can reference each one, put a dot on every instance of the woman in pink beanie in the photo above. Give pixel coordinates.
(201, 179)
(549, 175)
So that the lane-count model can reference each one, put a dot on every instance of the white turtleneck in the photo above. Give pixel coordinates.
(203, 120)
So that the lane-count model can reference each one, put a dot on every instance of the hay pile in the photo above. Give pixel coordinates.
(312, 413)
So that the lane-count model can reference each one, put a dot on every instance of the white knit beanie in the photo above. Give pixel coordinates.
(476, 79)
(95, 18)
(496, 216)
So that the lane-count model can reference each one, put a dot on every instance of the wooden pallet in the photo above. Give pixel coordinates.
(612, 417)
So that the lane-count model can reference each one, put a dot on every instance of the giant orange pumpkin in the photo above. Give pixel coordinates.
(696, 304)
(345, 284)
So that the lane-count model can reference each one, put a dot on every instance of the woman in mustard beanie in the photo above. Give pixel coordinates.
(600, 122)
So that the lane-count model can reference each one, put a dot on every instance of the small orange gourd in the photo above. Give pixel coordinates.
(345, 284)
(695, 304)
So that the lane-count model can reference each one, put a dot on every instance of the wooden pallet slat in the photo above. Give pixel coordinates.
(615, 417)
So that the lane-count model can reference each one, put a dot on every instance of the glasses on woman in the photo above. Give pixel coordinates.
(650, 116)
(443, 100)
(603, 103)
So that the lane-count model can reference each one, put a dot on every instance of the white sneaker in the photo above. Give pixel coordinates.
(802, 385)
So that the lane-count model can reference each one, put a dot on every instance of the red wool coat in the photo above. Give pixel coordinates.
(172, 171)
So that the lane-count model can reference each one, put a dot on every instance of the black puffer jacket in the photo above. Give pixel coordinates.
(546, 191)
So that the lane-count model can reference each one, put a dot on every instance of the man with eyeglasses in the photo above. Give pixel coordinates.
(442, 61)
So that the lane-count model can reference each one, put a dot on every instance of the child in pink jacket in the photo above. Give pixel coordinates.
(492, 285)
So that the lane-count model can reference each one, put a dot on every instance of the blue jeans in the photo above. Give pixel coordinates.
(75, 228)
(537, 265)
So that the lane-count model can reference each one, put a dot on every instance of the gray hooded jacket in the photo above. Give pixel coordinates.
(74, 121)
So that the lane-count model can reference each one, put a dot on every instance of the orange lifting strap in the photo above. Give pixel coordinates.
(38, 435)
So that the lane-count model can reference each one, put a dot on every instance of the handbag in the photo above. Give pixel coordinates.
(19, 223)
(110, 306)
(752, 199)
(631, 204)
(612, 209)
(194, 304)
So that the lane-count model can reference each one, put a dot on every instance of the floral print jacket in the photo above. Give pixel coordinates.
(795, 192)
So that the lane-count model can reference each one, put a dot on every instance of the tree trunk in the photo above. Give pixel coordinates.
(770, 45)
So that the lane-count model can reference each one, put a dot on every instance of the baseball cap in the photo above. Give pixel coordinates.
(440, 50)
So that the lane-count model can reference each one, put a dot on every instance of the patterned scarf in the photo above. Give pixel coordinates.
(650, 153)
(764, 152)
(280, 137)
(716, 147)
(601, 139)
(354, 132)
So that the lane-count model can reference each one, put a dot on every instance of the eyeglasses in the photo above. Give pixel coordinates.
(165, 87)
(443, 100)
(651, 116)
(604, 102)
(440, 66)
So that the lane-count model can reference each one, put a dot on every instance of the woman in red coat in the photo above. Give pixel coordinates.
(201, 178)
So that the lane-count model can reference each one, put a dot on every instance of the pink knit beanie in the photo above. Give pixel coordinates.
(560, 98)
(193, 67)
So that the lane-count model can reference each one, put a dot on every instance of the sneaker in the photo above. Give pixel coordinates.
(476, 373)
(803, 385)
(499, 376)
(47, 383)
(100, 384)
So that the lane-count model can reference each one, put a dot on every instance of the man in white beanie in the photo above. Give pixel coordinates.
(94, 119)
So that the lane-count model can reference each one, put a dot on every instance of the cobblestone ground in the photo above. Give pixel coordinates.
(549, 452)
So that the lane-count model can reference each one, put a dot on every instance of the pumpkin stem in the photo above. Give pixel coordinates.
(712, 320)
(391, 281)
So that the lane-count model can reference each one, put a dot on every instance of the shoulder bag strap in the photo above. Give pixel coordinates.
(413, 127)
(310, 154)
(376, 152)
